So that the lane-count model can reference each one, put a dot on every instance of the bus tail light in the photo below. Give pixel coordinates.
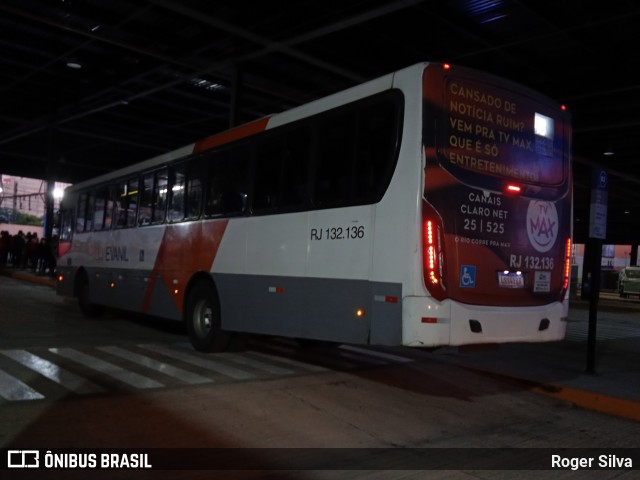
(431, 258)
(433, 253)
(567, 266)
(513, 189)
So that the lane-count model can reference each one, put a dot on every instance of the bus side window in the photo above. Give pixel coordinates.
(193, 197)
(227, 183)
(99, 212)
(66, 223)
(120, 210)
(110, 207)
(126, 203)
(160, 195)
(334, 162)
(268, 173)
(91, 204)
(82, 211)
(375, 153)
(175, 212)
(281, 171)
(146, 200)
(295, 169)
(132, 201)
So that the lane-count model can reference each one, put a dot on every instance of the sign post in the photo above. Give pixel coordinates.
(597, 233)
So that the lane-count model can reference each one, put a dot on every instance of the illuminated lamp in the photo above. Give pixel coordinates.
(513, 188)
(567, 265)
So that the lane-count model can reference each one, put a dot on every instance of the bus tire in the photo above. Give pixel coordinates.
(203, 319)
(88, 309)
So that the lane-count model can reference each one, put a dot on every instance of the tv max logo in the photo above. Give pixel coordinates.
(542, 225)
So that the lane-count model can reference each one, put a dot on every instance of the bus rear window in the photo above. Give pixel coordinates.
(491, 131)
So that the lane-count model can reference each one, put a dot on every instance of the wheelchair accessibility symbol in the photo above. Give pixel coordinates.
(468, 276)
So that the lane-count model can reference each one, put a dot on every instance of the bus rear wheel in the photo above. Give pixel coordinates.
(203, 320)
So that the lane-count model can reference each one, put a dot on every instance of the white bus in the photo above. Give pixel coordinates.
(428, 207)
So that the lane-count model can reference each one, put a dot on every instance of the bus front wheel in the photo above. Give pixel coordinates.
(88, 309)
(203, 320)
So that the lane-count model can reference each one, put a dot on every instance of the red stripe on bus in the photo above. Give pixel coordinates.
(63, 247)
(186, 248)
(232, 135)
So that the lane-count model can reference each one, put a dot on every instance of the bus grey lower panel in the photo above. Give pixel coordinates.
(132, 290)
(317, 308)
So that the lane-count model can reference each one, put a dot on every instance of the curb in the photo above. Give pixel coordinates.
(29, 277)
(598, 402)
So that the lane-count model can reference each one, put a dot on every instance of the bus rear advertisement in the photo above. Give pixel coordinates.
(429, 207)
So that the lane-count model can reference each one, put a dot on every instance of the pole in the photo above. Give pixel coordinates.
(50, 179)
(237, 90)
(597, 233)
(596, 261)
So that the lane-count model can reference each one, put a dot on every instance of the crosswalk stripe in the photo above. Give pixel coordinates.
(53, 372)
(102, 366)
(13, 389)
(198, 361)
(288, 361)
(373, 353)
(359, 359)
(243, 360)
(162, 367)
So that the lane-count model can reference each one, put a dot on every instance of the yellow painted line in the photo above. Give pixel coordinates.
(598, 402)
(42, 280)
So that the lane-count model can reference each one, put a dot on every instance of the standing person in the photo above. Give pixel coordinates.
(5, 245)
(18, 243)
(31, 252)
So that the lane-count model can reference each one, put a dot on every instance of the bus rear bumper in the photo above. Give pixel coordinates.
(428, 323)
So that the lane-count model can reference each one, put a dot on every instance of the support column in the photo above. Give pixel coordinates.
(235, 107)
(596, 255)
(52, 167)
(591, 264)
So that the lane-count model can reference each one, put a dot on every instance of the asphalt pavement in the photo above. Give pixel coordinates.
(556, 369)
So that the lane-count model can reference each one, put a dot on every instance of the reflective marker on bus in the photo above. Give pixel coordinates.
(428, 207)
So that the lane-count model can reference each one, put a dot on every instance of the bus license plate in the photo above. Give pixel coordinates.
(510, 280)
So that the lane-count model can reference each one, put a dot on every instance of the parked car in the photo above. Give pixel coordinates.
(629, 281)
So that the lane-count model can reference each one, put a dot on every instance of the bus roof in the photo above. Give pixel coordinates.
(275, 120)
(354, 93)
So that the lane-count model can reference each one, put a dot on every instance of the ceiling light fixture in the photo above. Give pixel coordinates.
(205, 84)
(74, 65)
